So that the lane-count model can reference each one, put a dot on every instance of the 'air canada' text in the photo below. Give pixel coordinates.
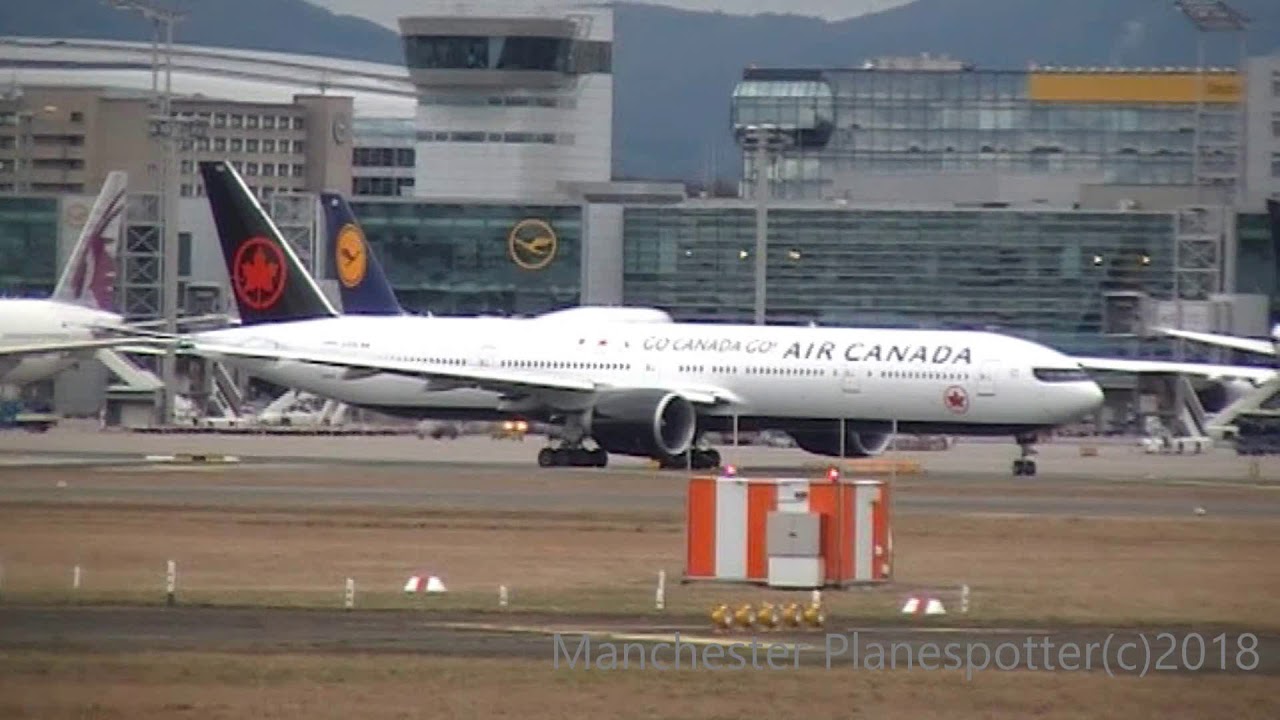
(862, 352)
(826, 350)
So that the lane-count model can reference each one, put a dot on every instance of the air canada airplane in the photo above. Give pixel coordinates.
(631, 387)
(40, 338)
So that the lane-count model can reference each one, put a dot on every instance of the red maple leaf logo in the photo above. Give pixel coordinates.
(259, 273)
(956, 398)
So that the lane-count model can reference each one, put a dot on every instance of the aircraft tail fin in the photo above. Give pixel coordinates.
(89, 277)
(268, 281)
(362, 283)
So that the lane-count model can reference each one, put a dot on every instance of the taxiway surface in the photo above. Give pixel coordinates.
(136, 629)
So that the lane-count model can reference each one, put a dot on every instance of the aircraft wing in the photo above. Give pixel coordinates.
(1262, 347)
(61, 347)
(184, 321)
(495, 379)
(502, 380)
(1256, 375)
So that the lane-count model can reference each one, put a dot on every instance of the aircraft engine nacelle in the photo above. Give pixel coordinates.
(856, 444)
(644, 423)
(1218, 395)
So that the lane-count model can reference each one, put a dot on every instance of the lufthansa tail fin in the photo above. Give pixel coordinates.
(361, 282)
(268, 281)
(89, 277)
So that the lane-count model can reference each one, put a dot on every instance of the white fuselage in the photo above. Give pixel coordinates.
(921, 377)
(26, 322)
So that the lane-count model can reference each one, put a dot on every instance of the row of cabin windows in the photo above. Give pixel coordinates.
(923, 375)
(564, 365)
(719, 370)
(729, 370)
(429, 360)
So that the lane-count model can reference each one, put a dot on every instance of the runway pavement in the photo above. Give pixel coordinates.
(490, 488)
(137, 629)
(74, 466)
(80, 442)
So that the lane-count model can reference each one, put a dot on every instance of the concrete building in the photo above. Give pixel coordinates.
(1262, 131)
(62, 139)
(513, 100)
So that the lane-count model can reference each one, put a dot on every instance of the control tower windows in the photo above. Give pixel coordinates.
(447, 53)
(531, 53)
(511, 54)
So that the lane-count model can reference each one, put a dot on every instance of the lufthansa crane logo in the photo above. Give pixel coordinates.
(352, 262)
(532, 244)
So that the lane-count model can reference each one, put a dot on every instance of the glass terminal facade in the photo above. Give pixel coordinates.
(468, 259)
(1122, 127)
(28, 246)
(1038, 274)
(1258, 259)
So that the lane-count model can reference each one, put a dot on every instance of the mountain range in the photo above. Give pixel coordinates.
(674, 69)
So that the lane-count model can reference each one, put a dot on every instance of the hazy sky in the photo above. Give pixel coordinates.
(386, 11)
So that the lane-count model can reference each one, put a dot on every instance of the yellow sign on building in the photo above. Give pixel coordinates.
(1133, 87)
(532, 244)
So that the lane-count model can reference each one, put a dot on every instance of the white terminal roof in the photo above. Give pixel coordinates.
(379, 90)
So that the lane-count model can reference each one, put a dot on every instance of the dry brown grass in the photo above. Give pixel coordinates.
(160, 685)
(1020, 569)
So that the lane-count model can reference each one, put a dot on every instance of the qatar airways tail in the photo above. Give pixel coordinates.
(89, 277)
(41, 337)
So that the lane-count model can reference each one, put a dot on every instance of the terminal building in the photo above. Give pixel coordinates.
(1062, 204)
(930, 130)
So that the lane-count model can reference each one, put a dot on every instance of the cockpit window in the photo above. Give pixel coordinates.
(1057, 375)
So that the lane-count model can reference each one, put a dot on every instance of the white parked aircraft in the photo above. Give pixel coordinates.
(41, 337)
(641, 389)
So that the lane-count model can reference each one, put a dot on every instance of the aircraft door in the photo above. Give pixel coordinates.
(987, 377)
(850, 381)
(487, 356)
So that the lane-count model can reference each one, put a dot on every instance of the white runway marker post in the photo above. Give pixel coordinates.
(75, 578)
(502, 596)
(349, 597)
(964, 599)
(171, 584)
(660, 597)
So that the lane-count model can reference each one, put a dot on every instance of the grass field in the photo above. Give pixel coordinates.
(1022, 570)
(163, 685)
(1038, 570)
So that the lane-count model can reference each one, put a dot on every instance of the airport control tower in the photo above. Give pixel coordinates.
(515, 98)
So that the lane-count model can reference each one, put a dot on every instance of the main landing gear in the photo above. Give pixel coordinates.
(1023, 466)
(570, 452)
(572, 457)
(702, 460)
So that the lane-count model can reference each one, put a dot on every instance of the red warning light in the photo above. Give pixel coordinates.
(730, 470)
